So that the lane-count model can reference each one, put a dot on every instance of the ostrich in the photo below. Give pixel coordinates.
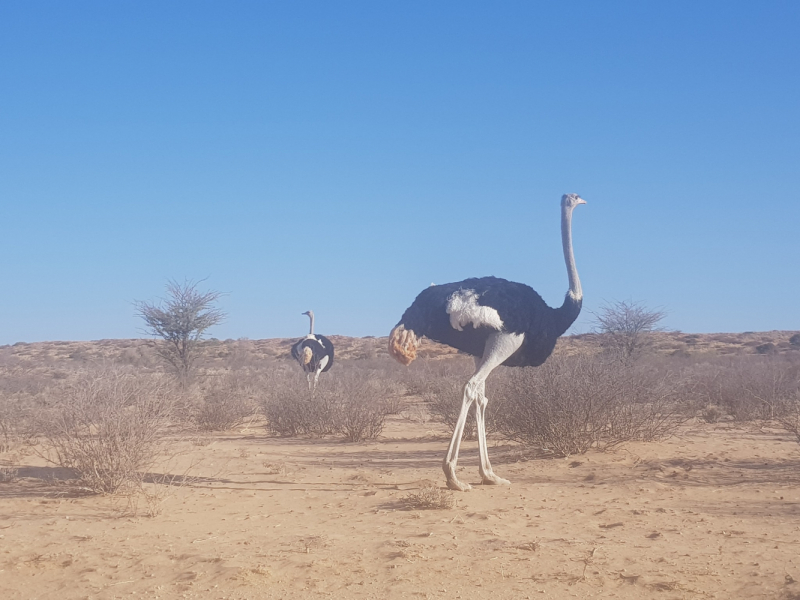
(314, 353)
(498, 322)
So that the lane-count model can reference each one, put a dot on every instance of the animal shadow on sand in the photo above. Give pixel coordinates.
(38, 482)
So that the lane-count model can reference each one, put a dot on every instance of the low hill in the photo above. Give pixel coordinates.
(243, 351)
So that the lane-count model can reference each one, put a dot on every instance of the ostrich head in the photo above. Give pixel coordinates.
(570, 201)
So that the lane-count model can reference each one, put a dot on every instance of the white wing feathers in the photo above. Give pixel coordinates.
(463, 308)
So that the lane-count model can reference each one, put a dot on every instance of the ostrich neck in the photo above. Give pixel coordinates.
(311, 330)
(575, 290)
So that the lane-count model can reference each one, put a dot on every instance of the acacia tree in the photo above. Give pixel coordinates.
(180, 320)
(626, 327)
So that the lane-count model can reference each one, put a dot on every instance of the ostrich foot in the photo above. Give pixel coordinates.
(455, 484)
(452, 481)
(492, 479)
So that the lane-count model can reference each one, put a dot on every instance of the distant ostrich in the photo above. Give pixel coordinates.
(496, 321)
(314, 353)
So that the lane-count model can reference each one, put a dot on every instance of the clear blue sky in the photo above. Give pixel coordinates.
(341, 156)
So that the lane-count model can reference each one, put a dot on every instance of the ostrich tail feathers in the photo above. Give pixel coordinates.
(403, 345)
(307, 355)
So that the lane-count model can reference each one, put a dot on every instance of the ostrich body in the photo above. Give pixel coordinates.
(314, 353)
(499, 322)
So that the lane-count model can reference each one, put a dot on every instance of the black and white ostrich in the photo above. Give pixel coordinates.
(314, 353)
(499, 322)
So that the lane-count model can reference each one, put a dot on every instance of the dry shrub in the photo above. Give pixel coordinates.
(651, 407)
(712, 413)
(359, 405)
(8, 419)
(570, 404)
(108, 426)
(225, 403)
(141, 357)
(767, 348)
(393, 394)
(21, 390)
(416, 413)
(747, 388)
(790, 417)
(289, 407)
(387, 378)
(419, 376)
(349, 403)
(430, 496)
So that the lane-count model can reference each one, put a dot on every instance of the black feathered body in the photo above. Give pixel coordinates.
(519, 307)
(320, 347)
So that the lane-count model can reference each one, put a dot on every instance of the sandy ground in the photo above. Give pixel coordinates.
(711, 513)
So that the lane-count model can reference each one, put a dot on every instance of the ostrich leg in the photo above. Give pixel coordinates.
(316, 377)
(498, 348)
(485, 468)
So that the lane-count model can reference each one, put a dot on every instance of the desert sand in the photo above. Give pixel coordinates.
(713, 512)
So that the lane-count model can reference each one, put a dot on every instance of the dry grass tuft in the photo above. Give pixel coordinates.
(430, 497)
(8, 474)
(274, 468)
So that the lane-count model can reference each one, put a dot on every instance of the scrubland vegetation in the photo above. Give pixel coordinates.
(110, 421)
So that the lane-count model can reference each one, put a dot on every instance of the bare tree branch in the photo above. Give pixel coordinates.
(626, 327)
(180, 320)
